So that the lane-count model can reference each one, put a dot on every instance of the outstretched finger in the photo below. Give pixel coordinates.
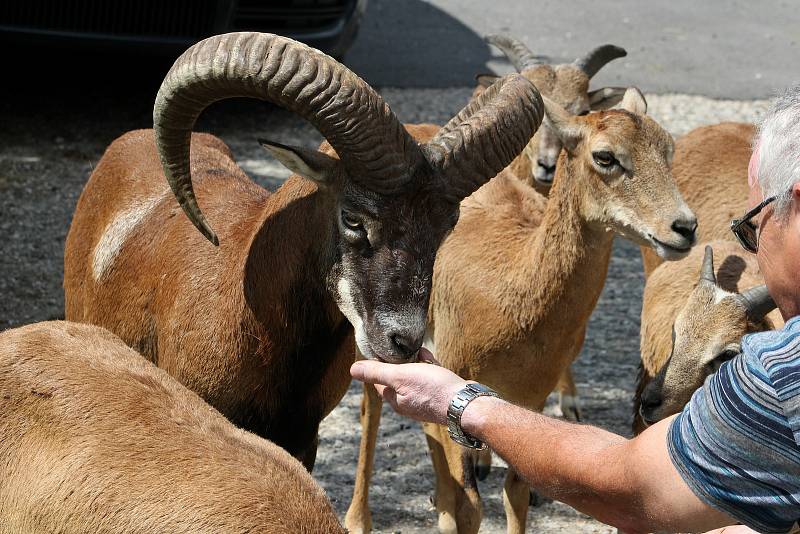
(372, 372)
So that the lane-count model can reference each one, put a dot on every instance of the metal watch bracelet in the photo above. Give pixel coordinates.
(458, 404)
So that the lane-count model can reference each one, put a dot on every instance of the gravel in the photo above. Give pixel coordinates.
(50, 143)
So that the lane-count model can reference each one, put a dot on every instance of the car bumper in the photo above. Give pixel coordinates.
(169, 27)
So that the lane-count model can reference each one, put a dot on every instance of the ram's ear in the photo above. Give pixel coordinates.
(486, 80)
(311, 164)
(606, 97)
(633, 101)
(563, 124)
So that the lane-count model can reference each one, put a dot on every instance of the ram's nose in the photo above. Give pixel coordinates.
(649, 408)
(686, 227)
(404, 344)
(545, 172)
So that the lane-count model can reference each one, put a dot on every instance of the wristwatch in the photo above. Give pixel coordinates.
(457, 406)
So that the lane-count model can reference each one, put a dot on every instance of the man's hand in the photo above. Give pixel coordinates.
(420, 391)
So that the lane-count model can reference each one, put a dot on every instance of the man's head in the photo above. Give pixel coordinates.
(775, 171)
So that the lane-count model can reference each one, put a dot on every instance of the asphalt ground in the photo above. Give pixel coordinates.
(726, 49)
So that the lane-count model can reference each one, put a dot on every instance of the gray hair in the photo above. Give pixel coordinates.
(779, 145)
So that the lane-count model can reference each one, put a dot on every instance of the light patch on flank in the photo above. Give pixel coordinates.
(115, 234)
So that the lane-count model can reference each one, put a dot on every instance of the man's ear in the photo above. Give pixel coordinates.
(311, 164)
(633, 101)
(566, 127)
(606, 97)
(796, 196)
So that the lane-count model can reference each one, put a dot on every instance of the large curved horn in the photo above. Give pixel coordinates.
(707, 269)
(596, 59)
(486, 135)
(370, 141)
(517, 53)
(757, 302)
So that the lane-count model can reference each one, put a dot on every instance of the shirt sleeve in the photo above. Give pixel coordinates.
(735, 449)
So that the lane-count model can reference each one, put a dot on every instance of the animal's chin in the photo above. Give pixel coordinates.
(669, 252)
(369, 353)
(665, 251)
(543, 178)
(398, 360)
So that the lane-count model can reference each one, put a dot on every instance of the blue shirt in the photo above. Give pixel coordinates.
(737, 442)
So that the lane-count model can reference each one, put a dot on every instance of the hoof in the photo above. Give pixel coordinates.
(357, 528)
(570, 409)
(447, 524)
(482, 471)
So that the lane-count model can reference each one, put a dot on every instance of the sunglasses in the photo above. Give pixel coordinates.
(745, 231)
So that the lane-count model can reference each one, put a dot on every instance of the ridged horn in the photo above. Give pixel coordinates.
(758, 302)
(707, 268)
(596, 59)
(486, 135)
(515, 50)
(372, 144)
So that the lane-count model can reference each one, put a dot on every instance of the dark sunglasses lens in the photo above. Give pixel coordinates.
(747, 234)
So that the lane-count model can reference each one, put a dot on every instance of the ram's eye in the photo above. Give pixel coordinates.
(604, 158)
(722, 357)
(351, 223)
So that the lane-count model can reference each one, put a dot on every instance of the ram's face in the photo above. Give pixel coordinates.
(382, 276)
(568, 86)
(707, 332)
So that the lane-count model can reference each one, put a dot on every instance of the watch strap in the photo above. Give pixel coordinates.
(456, 409)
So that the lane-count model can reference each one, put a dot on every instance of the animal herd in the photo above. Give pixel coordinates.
(210, 324)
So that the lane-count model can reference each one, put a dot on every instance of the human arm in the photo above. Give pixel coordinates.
(631, 484)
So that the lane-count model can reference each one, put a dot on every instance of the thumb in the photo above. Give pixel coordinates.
(371, 371)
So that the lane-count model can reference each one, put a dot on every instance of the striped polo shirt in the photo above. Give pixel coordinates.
(737, 442)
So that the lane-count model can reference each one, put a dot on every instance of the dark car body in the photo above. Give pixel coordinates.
(170, 26)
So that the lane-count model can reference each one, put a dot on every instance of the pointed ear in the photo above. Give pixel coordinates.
(566, 127)
(606, 97)
(310, 164)
(633, 101)
(486, 80)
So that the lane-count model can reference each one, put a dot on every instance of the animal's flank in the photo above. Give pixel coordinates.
(94, 437)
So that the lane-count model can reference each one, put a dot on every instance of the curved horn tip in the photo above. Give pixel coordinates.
(593, 61)
(206, 230)
(707, 269)
(618, 50)
(199, 220)
(515, 50)
(210, 235)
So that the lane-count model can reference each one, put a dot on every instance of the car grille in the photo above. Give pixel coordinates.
(156, 18)
(289, 16)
